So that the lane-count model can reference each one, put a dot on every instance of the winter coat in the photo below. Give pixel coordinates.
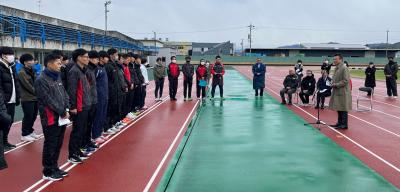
(370, 77)
(27, 77)
(258, 70)
(341, 95)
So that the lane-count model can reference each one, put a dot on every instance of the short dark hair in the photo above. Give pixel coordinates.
(144, 60)
(93, 54)
(25, 57)
(218, 57)
(390, 57)
(158, 59)
(136, 56)
(78, 52)
(112, 51)
(103, 54)
(188, 57)
(125, 55)
(50, 58)
(4, 50)
(173, 57)
(65, 57)
(58, 52)
(299, 61)
(130, 54)
(339, 55)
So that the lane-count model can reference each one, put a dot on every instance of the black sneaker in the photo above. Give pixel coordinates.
(93, 145)
(8, 146)
(75, 160)
(62, 173)
(55, 176)
(83, 156)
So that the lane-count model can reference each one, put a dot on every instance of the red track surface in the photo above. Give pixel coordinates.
(377, 131)
(125, 163)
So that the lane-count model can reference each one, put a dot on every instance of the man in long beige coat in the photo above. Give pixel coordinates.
(341, 94)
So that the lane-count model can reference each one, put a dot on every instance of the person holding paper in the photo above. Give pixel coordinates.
(323, 89)
(53, 104)
(201, 80)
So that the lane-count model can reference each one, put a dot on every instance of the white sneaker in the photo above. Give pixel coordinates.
(115, 129)
(110, 132)
(394, 97)
(27, 138)
(130, 116)
(34, 135)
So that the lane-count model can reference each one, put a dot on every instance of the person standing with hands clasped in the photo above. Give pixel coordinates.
(258, 77)
(341, 95)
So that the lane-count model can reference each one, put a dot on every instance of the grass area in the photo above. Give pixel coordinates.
(359, 73)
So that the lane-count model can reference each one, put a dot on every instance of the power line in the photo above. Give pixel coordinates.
(197, 31)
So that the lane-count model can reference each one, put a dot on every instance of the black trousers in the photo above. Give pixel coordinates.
(173, 87)
(6, 129)
(137, 97)
(30, 109)
(159, 87)
(112, 113)
(305, 97)
(200, 90)
(259, 90)
(79, 128)
(187, 87)
(87, 138)
(321, 98)
(128, 102)
(3, 163)
(391, 86)
(289, 92)
(221, 89)
(343, 118)
(53, 141)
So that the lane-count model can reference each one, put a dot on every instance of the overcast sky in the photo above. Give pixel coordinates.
(277, 22)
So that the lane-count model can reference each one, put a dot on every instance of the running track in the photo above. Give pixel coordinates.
(373, 137)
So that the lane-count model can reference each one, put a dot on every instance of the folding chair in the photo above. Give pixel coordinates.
(362, 98)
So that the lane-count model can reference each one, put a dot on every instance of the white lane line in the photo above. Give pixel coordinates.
(153, 107)
(374, 125)
(348, 138)
(153, 177)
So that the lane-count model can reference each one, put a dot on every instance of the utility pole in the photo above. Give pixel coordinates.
(155, 43)
(387, 42)
(39, 2)
(251, 27)
(106, 4)
(242, 47)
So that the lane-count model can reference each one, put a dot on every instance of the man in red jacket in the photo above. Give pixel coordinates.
(217, 71)
(173, 75)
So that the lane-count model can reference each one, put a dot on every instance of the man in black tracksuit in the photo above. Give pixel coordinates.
(94, 57)
(290, 86)
(123, 87)
(188, 72)
(5, 120)
(134, 79)
(80, 99)
(53, 103)
(9, 88)
(390, 71)
(139, 82)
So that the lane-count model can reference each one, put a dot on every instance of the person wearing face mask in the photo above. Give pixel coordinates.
(29, 104)
(159, 76)
(201, 80)
(188, 72)
(9, 88)
(326, 66)
(259, 70)
(370, 77)
(390, 72)
(307, 87)
(173, 75)
(53, 103)
(217, 71)
(298, 68)
(323, 89)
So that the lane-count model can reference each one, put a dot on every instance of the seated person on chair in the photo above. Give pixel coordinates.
(323, 89)
(290, 86)
(307, 87)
